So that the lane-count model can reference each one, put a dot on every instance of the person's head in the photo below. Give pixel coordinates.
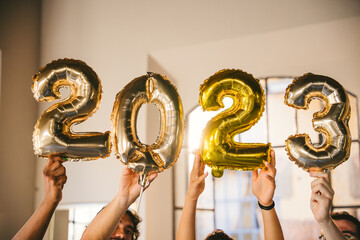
(347, 224)
(218, 234)
(127, 229)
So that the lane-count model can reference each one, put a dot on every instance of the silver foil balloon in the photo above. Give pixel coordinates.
(52, 134)
(142, 158)
(331, 122)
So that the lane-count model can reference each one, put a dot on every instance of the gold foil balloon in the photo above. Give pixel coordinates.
(331, 122)
(142, 158)
(52, 133)
(218, 148)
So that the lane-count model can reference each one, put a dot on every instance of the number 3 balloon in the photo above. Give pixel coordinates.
(52, 133)
(142, 158)
(331, 122)
(218, 149)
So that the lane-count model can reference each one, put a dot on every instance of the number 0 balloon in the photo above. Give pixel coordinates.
(52, 133)
(331, 122)
(142, 158)
(218, 149)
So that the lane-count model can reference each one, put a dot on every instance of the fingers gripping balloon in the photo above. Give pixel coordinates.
(218, 148)
(142, 158)
(52, 134)
(331, 122)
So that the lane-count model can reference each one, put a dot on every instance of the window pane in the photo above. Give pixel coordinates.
(256, 134)
(247, 215)
(235, 236)
(301, 229)
(346, 180)
(247, 236)
(235, 206)
(281, 117)
(80, 215)
(284, 177)
(233, 185)
(293, 188)
(204, 223)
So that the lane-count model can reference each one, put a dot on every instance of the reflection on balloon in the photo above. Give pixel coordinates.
(218, 148)
(52, 134)
(331, 122)
(142, 158)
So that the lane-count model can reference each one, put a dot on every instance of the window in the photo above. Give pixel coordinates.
(76, 216)
(227, 203)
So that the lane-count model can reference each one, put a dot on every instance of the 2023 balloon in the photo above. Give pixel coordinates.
(52, 133)
(218, 148)
(331, 122)
(142, 158)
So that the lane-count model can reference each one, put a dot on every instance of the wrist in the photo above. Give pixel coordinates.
(191, 199)
(325, 221)
(266, 207)
(124, 200)
(51, 198)
(190, 203)
(265, 203)
(49, 202)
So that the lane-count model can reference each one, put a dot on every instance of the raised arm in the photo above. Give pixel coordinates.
(105, 222)
(263, 187)
(54, 178)
(321, 197)
(186, 229)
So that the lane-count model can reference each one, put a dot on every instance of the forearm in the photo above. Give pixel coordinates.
(186, 229)
(272, 227)
(330, 230)
(36, 226)
(105, 222)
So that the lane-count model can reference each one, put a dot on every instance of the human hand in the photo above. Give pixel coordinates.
(263, 182)
(197, 178)
(129, 188)
(54, 178)
(321, 196)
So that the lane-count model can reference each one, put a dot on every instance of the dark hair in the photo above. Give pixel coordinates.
(135, 220)
(346, 216)
(218, 234)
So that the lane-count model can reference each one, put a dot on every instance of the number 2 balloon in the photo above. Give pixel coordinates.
(52, 134)
(218, 148)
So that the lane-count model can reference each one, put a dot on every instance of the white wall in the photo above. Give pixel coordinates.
(116, 37)
(330, 49)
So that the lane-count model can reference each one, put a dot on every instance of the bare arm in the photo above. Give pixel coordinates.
(186, 229)
(321, 197)
(54, 178)
(263, 187)
(104, 224)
